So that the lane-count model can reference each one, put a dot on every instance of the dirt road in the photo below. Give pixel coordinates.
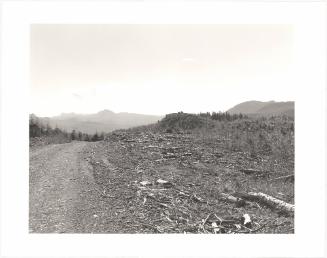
(63, 197)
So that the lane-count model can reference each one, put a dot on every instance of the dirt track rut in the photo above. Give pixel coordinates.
(63, 196)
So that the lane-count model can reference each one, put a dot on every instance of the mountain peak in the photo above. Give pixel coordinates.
(102, 121)
(106, 111)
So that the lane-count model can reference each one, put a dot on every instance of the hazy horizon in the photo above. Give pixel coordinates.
(157, 69)
(106, 109)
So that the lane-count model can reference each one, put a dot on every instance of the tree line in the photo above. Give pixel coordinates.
(79, 136)
(223, 116)
(38, 128)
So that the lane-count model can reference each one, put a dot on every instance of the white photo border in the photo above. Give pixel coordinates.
(309, 21)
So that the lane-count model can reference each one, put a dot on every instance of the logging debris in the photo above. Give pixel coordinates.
(169, 183)
(288, 177)
(269, 201)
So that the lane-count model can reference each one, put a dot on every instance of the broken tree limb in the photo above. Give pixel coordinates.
(239, 202)
(269, 201)
(254, 172)
(288, 177)
(246, 220)
(250, 171)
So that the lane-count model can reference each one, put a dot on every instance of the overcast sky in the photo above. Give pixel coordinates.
(158, 69)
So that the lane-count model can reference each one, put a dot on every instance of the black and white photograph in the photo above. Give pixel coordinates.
(161, 129)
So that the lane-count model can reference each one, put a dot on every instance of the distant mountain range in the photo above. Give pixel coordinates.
(260, 108)
(103, 121)
(107, 121)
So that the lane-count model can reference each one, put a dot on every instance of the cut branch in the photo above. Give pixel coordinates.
(291, 177)
(269, 201)
(250, 171)
(239, 202)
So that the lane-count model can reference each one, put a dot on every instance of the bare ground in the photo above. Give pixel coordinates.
(64, 197)
(82, 187)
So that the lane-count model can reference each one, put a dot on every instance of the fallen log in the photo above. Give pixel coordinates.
(269, 201)
(250, 171)
(164, 183)
(239, 202)
(288, 177)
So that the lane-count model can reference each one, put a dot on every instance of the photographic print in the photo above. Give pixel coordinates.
(161, 129)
